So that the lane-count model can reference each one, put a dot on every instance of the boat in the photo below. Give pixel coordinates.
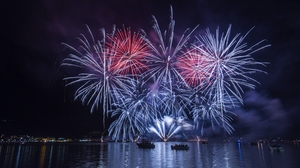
(145, 144)
(180, 147)
(276, 147)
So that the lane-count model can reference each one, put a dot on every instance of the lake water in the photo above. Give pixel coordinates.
(118, 155)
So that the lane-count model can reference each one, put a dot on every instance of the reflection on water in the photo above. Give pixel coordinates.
(221, 154)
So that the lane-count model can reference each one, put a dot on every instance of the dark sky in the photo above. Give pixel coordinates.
(34, 99)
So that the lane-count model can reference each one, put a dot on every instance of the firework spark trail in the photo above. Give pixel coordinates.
(169, 126)
(127, 123)
(129, 50)
(229, 66)
(192, 68)
(229, 61)
(136, 100)
(176, 99)
(157, 97)
(162, 63)
(203, 110)
(135, 112)
(99, 84)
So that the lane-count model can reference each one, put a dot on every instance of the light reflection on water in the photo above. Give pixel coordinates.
(218, 154)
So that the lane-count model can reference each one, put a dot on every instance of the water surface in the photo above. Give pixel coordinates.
(111, 155)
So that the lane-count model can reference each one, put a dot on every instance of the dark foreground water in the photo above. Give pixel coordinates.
(118, 155)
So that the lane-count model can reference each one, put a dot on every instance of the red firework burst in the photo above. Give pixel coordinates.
(192, 65)
(129, 50)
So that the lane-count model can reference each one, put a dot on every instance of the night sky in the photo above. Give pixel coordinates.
(34, 99)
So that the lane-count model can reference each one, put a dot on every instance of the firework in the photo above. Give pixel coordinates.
(228, 61)
(144, 85)
(127, 126)
(208, 111)
(229, 66)
(168, 126)
(133, 112)
(129, 50)
(136, 100)
(192, 65)
(99, 83)
(156, 95)
(176, 99)
(162, 62)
